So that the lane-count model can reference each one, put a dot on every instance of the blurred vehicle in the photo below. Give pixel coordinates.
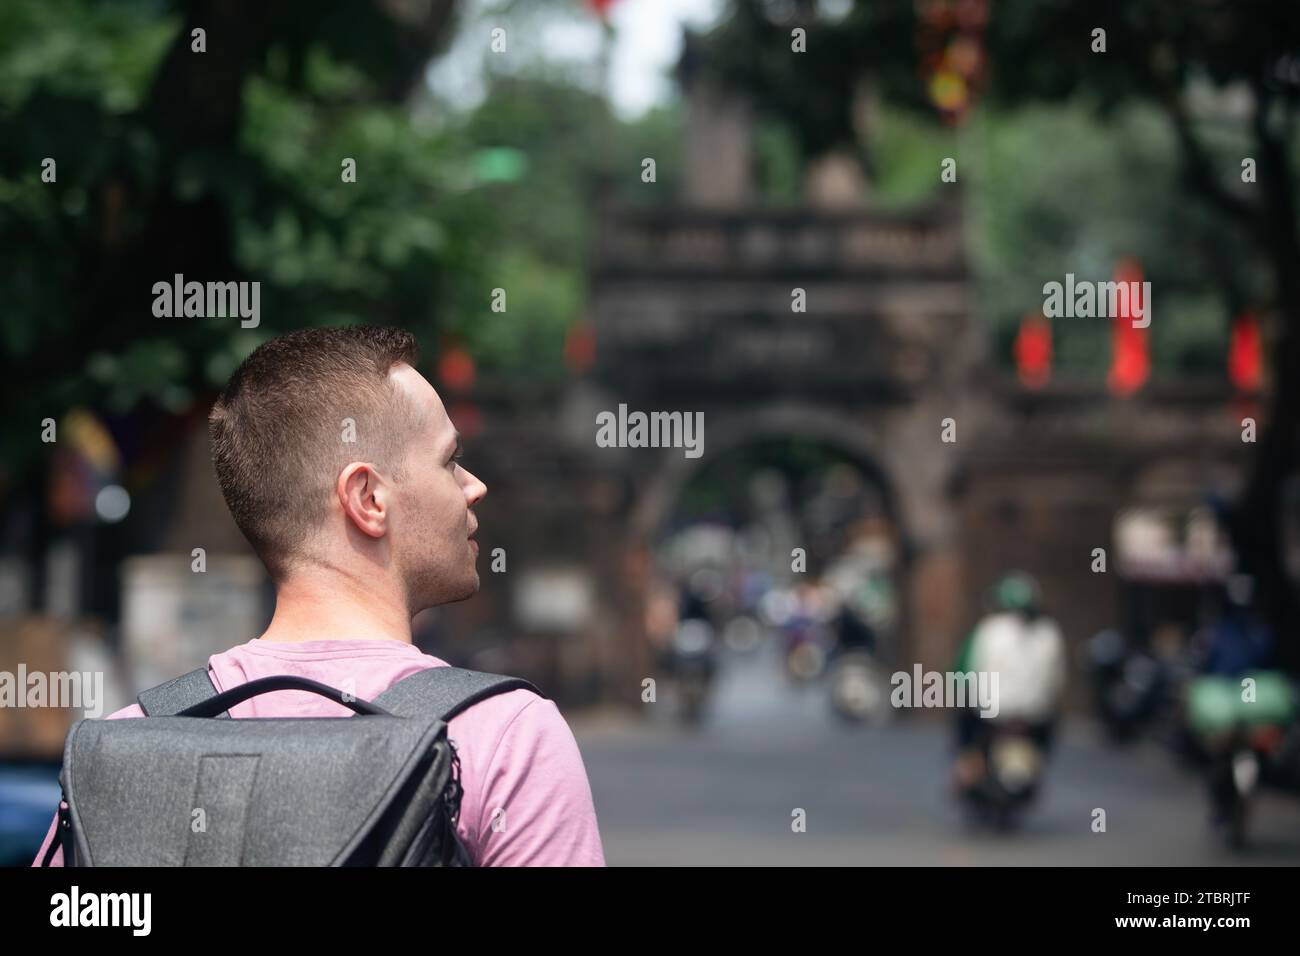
(1003, 746)
(805, 639)
(693, 648)
(861, 589)
(743, 634)
(693, 666)
(1130, 686)
(804, 644)
(1169, 564)
(1251, 738)
(1240, 711)
(858, 685)
(1005, 769)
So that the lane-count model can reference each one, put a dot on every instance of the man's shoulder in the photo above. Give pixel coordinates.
(517, 697)
(130, 710)
(498, 711)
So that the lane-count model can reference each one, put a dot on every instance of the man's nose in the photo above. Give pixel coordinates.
(475, 490)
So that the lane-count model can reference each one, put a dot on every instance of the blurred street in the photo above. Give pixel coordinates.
(724, 795)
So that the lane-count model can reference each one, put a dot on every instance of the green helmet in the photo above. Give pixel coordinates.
(1017, 591)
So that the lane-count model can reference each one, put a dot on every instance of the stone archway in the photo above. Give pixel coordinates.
(728, 432)
(731, 430)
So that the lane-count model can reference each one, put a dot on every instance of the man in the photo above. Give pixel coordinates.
(341, 467)
(1026, 649)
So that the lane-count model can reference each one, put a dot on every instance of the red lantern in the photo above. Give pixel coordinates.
(1245, 364)
(580, 347)
(456, 369)
(1130, 355)
(1033, 350)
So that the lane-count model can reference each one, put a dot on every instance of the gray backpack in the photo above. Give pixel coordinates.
(186, 786)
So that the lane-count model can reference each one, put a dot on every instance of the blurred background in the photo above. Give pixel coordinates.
(825, 225)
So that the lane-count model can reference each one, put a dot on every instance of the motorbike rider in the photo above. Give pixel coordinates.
(1238, 644)
(1025, 648)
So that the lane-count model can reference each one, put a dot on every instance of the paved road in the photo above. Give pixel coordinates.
(725, 794)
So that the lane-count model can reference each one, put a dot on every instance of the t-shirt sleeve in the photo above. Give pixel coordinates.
(537, 808)
(45, 844)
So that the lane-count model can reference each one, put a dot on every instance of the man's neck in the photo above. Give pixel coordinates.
(323, 606)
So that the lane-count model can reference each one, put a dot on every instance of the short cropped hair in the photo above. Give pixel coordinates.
(293, 415)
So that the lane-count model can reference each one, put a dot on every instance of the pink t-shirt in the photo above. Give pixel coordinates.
(518, 759)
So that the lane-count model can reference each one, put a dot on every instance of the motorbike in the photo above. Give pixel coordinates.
(1129, 685)
(1234, 778)
(693, 665)
(858, 686)
(804, 653)
(1247, 744)
(1009, 764)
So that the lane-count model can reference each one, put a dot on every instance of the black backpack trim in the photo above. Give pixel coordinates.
(441, 691)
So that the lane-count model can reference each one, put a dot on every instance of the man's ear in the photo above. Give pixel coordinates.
(364, 497)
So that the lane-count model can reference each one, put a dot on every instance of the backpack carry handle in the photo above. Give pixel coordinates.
(264, 685)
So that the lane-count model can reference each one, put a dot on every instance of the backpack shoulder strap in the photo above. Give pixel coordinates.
(173, 696)
(446, 691)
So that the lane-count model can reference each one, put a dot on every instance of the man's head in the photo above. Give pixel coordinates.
(332, 451)
(1018, 593)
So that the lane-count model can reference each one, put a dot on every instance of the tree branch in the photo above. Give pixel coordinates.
(1197, 166)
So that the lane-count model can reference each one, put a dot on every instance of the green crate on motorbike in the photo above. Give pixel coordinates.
(1219, 704)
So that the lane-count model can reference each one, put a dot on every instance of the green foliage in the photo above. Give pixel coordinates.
(444, 208)
(813, 92)
(566, 154)
(777, 163)
(1057, 190)
(149, 183)
(1070, 162)
(906, 151)
(104, 54)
